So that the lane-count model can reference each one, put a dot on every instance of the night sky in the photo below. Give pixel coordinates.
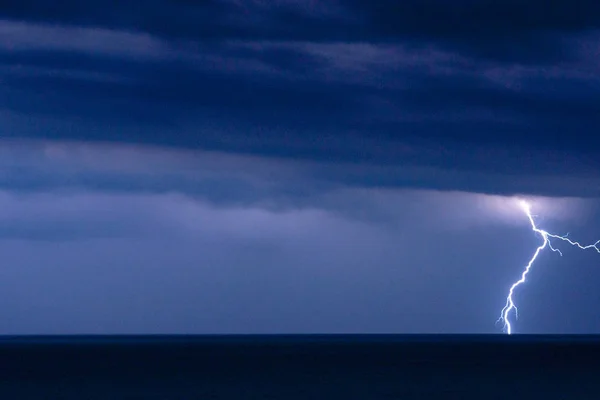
(297, 166)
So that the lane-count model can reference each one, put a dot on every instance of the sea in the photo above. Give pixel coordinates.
(300, 367)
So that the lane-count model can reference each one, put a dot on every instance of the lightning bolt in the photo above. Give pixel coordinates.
(546, 242)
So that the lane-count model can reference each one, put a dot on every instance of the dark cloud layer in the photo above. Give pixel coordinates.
(500, 90)
(379, 20)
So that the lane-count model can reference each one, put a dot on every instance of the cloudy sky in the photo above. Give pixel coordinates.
(294, 166)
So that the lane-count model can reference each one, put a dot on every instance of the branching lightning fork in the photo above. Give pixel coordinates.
(510, 306)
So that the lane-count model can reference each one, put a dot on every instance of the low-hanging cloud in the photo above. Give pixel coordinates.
(121, 239)
(225, 178)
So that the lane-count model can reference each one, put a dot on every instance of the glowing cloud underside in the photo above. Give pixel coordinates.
(510, 306)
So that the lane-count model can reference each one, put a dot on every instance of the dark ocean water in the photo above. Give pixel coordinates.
(300, 367)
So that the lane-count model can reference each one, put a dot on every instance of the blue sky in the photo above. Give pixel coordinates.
(291, 166)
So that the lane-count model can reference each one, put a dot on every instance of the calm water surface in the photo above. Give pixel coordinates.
(300, 367)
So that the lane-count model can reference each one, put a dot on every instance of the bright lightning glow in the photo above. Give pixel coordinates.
(546, 236)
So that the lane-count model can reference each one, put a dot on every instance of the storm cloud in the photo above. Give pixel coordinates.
(290, 166)
(477, 87)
